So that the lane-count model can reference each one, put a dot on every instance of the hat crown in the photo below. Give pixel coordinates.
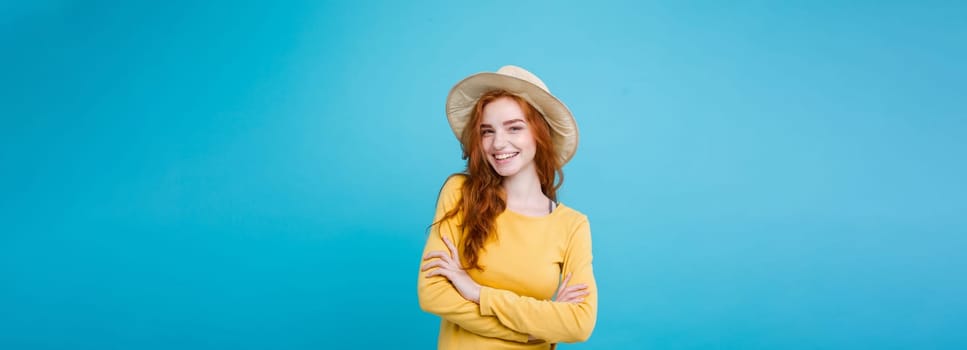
(522, 74)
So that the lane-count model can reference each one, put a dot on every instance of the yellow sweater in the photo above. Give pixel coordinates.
(522, 269)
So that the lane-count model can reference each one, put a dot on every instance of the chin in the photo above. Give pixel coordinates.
(507, 172)
(503, 171)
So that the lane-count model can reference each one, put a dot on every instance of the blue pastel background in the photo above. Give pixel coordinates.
(259, 175)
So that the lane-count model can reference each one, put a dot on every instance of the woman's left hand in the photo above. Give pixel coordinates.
(448, 265)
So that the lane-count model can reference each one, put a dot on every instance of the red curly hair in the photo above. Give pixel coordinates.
(483, 198)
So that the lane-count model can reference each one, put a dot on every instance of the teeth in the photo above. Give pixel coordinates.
(505, 156)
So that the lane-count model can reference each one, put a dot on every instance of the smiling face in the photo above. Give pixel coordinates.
(506, 138)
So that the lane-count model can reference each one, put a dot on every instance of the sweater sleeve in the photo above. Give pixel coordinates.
(439, 297)
(548, 320)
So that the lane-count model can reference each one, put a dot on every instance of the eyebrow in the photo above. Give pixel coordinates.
(512, 121)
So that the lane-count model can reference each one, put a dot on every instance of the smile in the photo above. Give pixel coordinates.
(505, 156)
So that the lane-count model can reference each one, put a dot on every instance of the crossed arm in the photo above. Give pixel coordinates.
(446, 290)
(445, 266)
(439, 297)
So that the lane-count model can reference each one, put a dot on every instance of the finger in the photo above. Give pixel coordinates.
(573, 298)
(434, 253)
(576, 294)
(572, 295)
(576, 287)
(569, 299)
(438, 272)
(565, 296)
(575, 290)
(562, 289)
(564, 283)
(432, 264)
(437, 254)
(566, 279)
(453, 251)
(449, 244)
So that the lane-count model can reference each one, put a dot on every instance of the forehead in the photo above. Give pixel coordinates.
(500, 110)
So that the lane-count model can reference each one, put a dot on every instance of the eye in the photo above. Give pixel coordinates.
(516, 128)
(486, 132)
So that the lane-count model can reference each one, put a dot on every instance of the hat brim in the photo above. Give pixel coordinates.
(464, 95)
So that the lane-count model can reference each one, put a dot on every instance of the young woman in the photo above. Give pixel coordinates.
(505, 265)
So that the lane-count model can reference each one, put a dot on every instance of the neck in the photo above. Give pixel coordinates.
(523, 187)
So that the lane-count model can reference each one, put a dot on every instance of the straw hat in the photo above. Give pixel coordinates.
(463, 97)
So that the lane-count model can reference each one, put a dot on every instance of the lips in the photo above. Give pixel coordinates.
(505, 157)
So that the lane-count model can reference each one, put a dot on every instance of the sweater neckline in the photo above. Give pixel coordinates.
(557, 208)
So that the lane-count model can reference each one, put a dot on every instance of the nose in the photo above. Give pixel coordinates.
(500, 140)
